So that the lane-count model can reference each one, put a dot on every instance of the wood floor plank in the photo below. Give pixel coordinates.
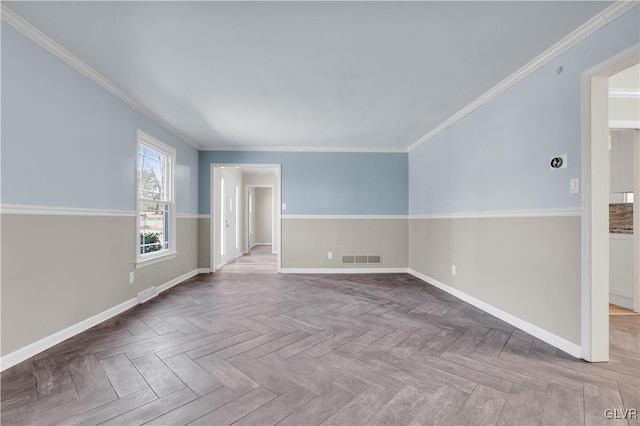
(562, 406)
(87, 375)
(442, 408)
(111, 409)
(123, 376)
(320, 408)
(236, 409)
(484, 406)
(402, 409)
(523, 405)
(192, 374)
(195, 409)
(161, 379)
(278, 408)
(154, 409)
(597, 400)
(227, 374)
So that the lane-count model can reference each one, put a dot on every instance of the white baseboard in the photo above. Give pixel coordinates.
(204, 270)
(542, 334)
(344, 270)
(35, 348)
(625, 302)
(45, 343)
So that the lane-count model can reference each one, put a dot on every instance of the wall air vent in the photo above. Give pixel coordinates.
(361, 259)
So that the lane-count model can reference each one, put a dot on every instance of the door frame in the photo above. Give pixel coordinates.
(273, 215)
(594, 86)
(238, 197)
(213, 192)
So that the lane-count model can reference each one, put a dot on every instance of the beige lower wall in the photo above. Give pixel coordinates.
(305, 242)
(528, 267)
(204, 242)
(60, 270)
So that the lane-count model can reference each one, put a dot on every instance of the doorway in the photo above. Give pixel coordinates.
(260, 218)
(233, 203)
(595, 206)
(229, 211)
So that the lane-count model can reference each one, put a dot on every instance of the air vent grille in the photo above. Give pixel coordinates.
(362, 259)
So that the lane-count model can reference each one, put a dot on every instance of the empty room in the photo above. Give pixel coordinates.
(310, 212)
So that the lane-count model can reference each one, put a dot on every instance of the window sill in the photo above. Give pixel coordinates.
(141, 263)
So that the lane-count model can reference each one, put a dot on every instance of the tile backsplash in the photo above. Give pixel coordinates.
(621, 217)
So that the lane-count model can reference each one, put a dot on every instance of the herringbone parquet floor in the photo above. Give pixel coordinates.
(259, 349)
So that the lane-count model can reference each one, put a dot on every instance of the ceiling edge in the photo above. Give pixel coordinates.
(600, 20)
(74, 62)
(304, 149)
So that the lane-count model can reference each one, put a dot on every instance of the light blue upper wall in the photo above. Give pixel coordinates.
(326, 183)
(67, 142)
(497, 158)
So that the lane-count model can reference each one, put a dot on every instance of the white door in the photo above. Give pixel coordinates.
(229, 215)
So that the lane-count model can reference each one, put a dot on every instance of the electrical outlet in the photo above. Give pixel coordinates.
(132, 277)
(330, 255)
(453, 269)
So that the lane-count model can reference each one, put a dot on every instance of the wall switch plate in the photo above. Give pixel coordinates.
(284, 206)
(330, 255)
(453, 269)
(132, 277)
(574, 186)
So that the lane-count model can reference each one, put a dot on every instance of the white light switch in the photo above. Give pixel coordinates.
(330, 255)
(131, 277)
(574, 186)
(284, 206)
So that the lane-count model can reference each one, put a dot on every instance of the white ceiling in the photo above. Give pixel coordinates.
(360, 75)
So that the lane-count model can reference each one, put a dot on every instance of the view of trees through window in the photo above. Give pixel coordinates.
(153, 175)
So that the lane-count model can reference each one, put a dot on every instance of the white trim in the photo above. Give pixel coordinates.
(45, 343)
(62, 211)
(594, 334)
(204, 270)
(190, 216)
(622, 124)
(624, 94)
(617, 9)
(622, 293)
(171, 154)
(500, 214)
(54, 48)
(542, 334)
(344, 270)
(320, 216)
(155, 259)
(304, 149)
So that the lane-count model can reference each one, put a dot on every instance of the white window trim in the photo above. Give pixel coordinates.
(162, 255)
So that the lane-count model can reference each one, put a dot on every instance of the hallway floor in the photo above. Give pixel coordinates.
(259, 260)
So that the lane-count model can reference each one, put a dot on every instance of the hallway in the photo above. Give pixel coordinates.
(260, 260)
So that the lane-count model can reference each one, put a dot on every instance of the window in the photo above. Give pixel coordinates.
(156, 207)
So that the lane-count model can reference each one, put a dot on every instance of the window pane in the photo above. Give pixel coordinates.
(154, 220)
(152, 174)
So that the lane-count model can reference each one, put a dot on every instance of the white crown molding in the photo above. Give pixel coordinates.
(61, 211)
(500, 214)
(594, 24)
(620, 124)
(333, 217)
(542, 334)
(303, 149)
(624, 94)
(74, 62)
